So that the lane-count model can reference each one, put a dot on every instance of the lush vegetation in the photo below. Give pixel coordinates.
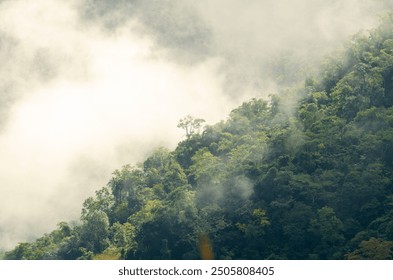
(311, 181)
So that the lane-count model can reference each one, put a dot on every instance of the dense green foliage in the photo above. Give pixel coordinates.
(313, 182)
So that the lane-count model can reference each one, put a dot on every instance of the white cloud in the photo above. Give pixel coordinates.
(110, 102)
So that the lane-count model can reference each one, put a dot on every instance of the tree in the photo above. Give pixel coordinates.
(95, 231)
(328, 230)
(103, 201)
(372, 249)
(123, 237)
(191, 125)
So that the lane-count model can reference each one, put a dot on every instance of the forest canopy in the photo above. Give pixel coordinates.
(314, 182)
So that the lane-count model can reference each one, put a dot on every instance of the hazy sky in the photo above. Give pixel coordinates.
(87, 86)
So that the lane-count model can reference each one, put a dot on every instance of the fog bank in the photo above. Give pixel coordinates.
(88, 86)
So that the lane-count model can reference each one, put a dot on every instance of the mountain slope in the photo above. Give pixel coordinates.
(273, 181)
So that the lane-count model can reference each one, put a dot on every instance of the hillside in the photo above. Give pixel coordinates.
(273, 181)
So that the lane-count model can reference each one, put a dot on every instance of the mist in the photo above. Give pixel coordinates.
(88, 86)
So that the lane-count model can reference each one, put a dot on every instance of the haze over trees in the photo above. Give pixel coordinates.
(97, 84)
(314, 182)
